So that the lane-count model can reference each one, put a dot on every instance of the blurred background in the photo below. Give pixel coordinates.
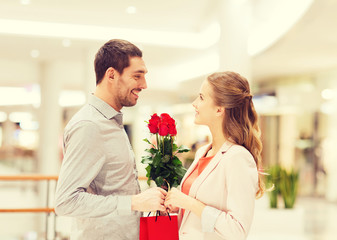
(286, 49)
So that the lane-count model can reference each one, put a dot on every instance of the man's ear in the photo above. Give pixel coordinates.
(110, 73)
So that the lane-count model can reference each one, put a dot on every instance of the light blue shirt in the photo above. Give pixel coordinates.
(98, 175)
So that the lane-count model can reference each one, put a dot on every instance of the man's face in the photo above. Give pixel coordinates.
(131, 82)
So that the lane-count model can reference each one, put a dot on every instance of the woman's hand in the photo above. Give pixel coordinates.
(176, 199)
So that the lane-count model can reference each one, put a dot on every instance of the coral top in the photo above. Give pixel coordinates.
(202, 164)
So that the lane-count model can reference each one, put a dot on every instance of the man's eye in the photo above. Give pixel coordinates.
(137, 76)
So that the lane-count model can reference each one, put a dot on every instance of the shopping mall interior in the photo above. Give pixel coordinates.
(286, 49)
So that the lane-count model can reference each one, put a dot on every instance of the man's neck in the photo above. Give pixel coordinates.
(106, 97)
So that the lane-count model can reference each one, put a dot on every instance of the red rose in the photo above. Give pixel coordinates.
(163, 125)
(172, 129)
(163, 129)
(153, 129)
(154, 123)
(165, 116)
(171, 124)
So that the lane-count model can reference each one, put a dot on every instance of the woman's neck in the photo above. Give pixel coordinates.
(218, 139)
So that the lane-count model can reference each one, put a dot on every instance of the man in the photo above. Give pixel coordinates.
(98, 181)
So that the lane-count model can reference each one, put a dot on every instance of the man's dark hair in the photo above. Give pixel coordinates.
(115, 53)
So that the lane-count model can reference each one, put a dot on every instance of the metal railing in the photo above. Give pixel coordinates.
(47, 209)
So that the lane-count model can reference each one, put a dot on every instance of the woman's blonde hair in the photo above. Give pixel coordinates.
(232, 91)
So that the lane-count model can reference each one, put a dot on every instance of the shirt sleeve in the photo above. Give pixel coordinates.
(83, 160)
(241, 185)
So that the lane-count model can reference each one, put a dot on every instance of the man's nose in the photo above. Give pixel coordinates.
(143, 84)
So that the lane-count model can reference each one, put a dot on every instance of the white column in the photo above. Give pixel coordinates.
(235, 18)
(287, 138)
(50, 119)
(8, 129)
(89, 74)
(330, 155)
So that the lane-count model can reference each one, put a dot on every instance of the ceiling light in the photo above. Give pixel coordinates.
(66, 42)
(195, 40)
(35, 53)
(328, 108)
(131, 10)
(25, 2)
(19, 96)
(20, 116)
(328, 94)
(29, 125)
(198, 66)
(3, 116)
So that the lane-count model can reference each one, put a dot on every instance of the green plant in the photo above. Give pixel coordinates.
(284, 183)
(289, 187)
(273, 184)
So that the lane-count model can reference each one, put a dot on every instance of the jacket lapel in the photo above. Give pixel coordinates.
(199, 154)
(195, 162)
(209, 168)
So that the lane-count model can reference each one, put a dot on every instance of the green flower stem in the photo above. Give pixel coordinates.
(158, 145)
(171, 148)
(163, 139)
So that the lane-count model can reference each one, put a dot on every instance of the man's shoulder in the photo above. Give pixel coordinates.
(86, 114)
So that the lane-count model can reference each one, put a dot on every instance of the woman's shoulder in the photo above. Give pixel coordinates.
(240, 154)
(238, 149)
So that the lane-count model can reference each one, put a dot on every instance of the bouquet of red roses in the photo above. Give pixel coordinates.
(164, 167)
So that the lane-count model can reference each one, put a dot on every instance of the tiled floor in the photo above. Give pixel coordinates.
(311, 219)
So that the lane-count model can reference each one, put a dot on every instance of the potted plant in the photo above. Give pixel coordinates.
(272, 183)
(288, 186)
(282, 183)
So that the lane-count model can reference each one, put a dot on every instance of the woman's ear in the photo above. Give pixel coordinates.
(220, 111)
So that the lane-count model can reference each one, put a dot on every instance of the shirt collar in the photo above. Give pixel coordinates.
(105, 109)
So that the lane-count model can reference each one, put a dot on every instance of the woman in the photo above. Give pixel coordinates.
(218, 191)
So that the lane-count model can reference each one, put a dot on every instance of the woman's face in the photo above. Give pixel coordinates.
(204, 105)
